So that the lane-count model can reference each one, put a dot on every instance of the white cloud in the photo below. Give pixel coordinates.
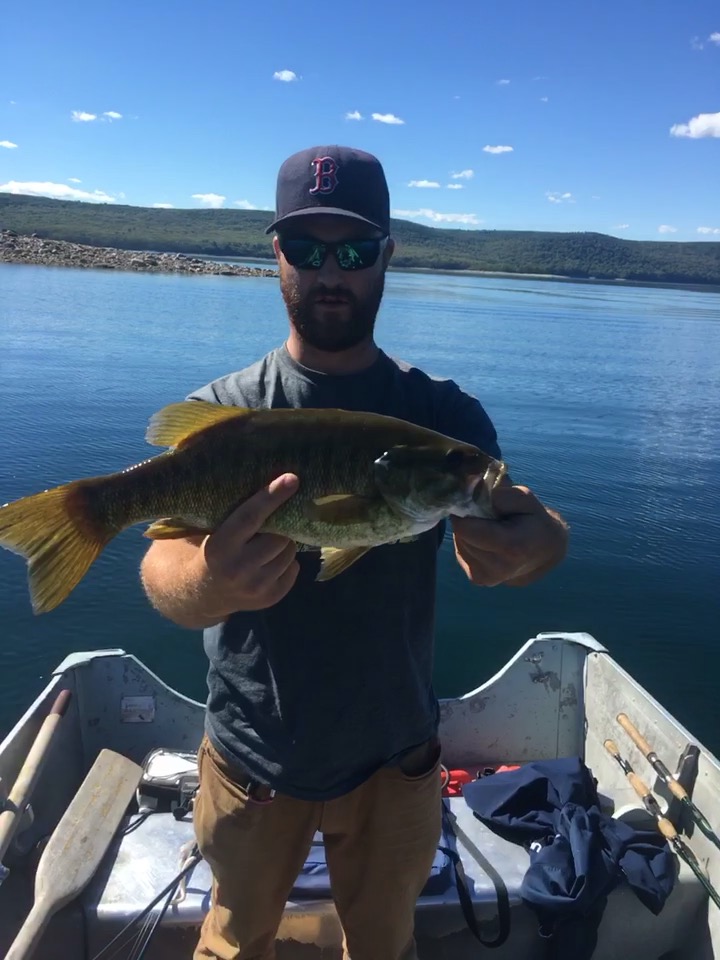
(58, 191)
(244, 204)
(541, 78)
(503, 83)
(665, 228)
(456, 186)
(466, 218)
(163, 206)
(595, 197)
(80, 116)
(387, 118)
(715, 38)
(713, 230)
(703, 125)
(464, 175)
(544, 99)
(113, 115)
(696, 43)
(8, 144)
(213, 200)
(498, 149)
(622, 226)
(287, 76)
(354, 115)
(74, 180)
(423, 183)
(12, 102)
(556, 197)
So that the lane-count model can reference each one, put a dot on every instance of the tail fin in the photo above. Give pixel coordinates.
(56, 533)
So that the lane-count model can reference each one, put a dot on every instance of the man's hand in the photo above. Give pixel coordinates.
(522, 545)
(238, 568)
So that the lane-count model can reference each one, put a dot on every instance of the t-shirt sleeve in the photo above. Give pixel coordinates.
(462, 416)
(207, 393)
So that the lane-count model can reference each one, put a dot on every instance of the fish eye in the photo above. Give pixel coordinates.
(454, 459)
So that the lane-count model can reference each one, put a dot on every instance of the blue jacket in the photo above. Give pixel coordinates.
(578, 854)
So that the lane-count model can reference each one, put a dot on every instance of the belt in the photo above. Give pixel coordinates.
(257, 791)
(414, 762)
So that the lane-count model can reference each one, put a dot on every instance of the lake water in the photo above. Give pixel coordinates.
(607, 404)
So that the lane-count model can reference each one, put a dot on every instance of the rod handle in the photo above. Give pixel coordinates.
(634, 734)
(677, 789)
(640, 787)
(666, 828)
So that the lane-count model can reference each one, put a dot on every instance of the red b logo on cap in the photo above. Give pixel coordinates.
(325, 172)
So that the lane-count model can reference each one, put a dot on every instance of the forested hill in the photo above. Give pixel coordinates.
(240, 233)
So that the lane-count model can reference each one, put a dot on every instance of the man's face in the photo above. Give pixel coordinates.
(332, 309)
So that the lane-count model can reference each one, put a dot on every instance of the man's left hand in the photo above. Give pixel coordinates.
(524, 543)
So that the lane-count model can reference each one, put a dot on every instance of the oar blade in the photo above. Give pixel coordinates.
(82, 836)
(78, 844)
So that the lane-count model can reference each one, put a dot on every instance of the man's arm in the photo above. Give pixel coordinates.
(526, 541)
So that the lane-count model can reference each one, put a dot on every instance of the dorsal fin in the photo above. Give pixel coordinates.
(179, 422)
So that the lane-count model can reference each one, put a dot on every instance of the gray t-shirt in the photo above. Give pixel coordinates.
(317, 692)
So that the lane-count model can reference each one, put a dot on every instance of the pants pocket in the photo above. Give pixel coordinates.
(422, 762)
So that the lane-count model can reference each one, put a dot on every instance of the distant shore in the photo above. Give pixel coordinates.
(19, 248)
(16, 248)
(516, 275)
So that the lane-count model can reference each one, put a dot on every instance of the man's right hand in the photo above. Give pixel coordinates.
(239, 568)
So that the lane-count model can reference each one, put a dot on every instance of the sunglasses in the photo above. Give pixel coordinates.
(310, 254)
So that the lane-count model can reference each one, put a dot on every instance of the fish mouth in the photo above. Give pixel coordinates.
(481, 487)
(479, 491)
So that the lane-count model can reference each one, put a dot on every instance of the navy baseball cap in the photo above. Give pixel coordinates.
(335, 180)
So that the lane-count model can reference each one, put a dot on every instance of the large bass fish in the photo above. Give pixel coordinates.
(365, 480)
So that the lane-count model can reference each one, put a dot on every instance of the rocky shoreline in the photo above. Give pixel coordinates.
(16, 248)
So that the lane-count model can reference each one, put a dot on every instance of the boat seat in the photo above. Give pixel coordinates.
(147, 853)
(146, 856)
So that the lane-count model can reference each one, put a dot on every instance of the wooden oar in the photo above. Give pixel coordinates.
(675, 788)
(78, 844)
(19, 796)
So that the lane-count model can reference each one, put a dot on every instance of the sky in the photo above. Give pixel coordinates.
(519, 115)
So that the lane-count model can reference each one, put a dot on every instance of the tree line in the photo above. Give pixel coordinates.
(241, 233)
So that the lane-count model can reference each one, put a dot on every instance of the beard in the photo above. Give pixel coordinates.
(328, 329)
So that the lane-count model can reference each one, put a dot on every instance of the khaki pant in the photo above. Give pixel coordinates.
(380, 841)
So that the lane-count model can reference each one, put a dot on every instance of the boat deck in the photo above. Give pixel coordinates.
(558, 696)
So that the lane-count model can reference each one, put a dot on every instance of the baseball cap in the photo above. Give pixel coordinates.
(335, 180)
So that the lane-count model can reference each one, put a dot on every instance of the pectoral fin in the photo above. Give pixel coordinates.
(341, 508)
(172, 528)
(335, 560)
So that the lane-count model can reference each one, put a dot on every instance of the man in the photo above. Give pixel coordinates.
(321, 713)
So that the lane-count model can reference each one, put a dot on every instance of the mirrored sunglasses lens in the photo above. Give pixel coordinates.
(308, 254)
(358, 254)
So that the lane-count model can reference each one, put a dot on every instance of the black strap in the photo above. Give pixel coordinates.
(466, 904)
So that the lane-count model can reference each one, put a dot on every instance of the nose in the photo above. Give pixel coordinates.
(330, 273)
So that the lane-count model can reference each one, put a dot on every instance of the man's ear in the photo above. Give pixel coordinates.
(388, 251)
(276, 247)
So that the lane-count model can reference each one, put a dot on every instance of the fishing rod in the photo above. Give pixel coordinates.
(664, 825)
(675, 788)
